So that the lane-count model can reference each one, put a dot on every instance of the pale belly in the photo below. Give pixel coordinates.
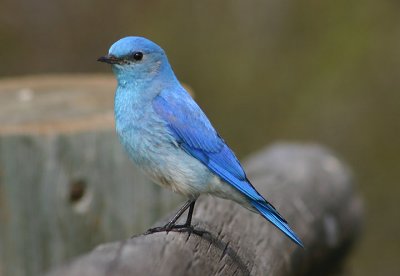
(163, 161)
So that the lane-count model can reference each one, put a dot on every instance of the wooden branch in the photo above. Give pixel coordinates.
(309, 187)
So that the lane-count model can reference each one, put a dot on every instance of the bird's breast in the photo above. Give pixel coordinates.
(151, 146)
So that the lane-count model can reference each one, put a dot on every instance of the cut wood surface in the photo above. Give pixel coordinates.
(56, 103)
(309, 186)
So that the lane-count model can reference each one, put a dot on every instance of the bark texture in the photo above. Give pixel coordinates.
(309, 186)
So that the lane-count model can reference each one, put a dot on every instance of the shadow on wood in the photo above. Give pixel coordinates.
(309, 187)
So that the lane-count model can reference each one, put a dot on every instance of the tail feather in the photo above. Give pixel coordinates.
(268, 212)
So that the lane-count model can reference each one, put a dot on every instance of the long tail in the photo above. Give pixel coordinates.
(269, 212)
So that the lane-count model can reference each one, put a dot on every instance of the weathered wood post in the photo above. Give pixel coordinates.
(65, 183)
(307, 184)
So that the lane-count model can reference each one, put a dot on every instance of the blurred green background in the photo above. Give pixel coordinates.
(263, 70)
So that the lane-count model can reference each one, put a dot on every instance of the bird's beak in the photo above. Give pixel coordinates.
(110, 59)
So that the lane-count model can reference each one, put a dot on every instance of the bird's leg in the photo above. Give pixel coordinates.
(171, 224)
(190, 203)
(188, 222)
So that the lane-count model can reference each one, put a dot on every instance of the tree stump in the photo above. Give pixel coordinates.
(65, 182)
(307, 184)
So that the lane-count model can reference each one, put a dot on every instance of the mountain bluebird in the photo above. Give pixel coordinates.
(168, 136)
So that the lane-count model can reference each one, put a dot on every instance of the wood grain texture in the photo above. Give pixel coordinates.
(66, 184)
(56, 104)
(310, 187)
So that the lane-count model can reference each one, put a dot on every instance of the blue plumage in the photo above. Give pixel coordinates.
(167, 134)
(198, 138)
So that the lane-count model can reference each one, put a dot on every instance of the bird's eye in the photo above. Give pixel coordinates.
(137, 56)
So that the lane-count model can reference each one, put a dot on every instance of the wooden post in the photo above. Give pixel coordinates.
(310, 188)
(65, 183)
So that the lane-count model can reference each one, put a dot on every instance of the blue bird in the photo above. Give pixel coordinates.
(169, 137)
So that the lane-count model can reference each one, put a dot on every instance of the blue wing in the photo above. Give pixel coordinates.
(195, 134)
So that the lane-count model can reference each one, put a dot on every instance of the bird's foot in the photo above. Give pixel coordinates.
(166, 228)
(176, 228)
(155, 230)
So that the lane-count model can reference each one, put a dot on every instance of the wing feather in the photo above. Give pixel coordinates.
(194, 132)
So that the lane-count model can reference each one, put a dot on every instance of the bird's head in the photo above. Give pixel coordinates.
(136, 57)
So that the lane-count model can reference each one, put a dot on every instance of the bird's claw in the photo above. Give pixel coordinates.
(166, 228)
(175, 228)
(155, 230)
